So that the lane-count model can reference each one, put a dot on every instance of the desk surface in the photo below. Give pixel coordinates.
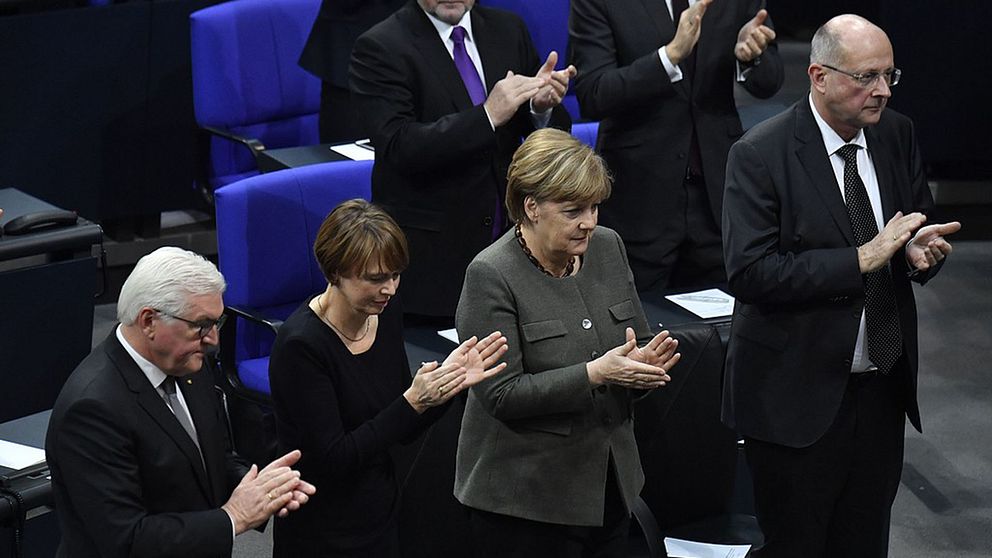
(80, 237)
(292, 157)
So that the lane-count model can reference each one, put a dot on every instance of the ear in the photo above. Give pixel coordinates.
(531, 209)
(146, 322)
(817, 78)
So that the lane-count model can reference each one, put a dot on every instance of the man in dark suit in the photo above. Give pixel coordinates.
(445, 92)
(139, 467)
(822, 362)
(661, 81)
(326, 55)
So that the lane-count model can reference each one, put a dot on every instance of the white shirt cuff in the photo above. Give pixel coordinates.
(490, 118)
(673, 71)
(540, 119)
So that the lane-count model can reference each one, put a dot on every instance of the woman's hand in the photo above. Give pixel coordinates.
(631, 367)
(660, 351)
(470, 363)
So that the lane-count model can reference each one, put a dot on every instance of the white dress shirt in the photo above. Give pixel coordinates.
(866, 169)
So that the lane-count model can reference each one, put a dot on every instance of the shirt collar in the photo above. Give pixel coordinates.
(831, 139)
(444, 29)
(152, 372)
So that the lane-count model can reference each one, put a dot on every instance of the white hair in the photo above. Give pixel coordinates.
(165, 280)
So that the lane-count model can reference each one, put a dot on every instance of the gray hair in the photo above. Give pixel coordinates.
(164, 280)
(825, 48)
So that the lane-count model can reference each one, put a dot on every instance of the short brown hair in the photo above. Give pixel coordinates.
(355, 234)
(552, 165)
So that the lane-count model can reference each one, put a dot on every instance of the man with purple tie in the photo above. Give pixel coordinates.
(447, 90)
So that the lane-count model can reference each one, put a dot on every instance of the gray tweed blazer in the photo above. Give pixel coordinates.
(537, 439)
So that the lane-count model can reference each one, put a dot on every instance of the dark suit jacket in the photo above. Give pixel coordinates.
(338, 24)
(126, 477)
(537, 439)
(440, 169)
(793, 266)
(646, 120)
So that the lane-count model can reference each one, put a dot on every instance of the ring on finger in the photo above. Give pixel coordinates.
(269, 494)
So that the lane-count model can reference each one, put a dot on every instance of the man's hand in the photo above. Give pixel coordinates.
(274, 489)
(753, 38)
(876, 253)
(687, 33)
(508, 94)
(551, 94)
(929, 247)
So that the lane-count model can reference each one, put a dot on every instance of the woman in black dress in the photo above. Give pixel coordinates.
(343, 392)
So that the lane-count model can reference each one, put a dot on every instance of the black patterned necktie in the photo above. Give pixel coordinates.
(881, 312)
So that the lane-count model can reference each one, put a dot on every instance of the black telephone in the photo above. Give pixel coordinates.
(32, 222)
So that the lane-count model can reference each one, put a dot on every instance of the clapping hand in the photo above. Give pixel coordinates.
(753, 38)
(929, 247)
(470, 363)
(551, 94)
(633, 367)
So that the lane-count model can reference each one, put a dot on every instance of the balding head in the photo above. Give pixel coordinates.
(851, 65)
(846, 33)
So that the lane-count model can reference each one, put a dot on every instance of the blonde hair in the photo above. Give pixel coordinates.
(552, 165)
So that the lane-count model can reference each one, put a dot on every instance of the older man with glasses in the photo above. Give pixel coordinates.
(137, 443)
(823, 227)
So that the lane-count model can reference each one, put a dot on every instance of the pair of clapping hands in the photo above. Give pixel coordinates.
(544, 90)
(636, 367)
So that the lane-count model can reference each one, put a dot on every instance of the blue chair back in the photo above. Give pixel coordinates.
(266, 226)
(246, 79)
(547, 21)
(586, 131)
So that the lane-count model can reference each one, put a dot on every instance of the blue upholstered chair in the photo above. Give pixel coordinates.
(266, 226)
(547, 21)
(248, 91)
(586, 131)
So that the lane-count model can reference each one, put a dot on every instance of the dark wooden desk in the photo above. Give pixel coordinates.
(292, 157)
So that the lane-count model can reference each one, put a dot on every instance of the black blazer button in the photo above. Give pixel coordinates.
(594, 354)
(847, 363)
(602, 389)
(488, 221)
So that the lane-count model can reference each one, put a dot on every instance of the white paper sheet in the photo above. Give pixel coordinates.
(450, 335)
(355, 151)
(711, 303)
(19, 456)
(690, 549)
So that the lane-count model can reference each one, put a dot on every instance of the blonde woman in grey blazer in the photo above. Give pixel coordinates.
(547, 463)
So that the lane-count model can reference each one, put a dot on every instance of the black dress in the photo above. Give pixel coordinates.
(344, 412)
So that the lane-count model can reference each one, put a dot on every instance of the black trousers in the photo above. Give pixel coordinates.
(689, 253)
(502, 536)
(834, 498)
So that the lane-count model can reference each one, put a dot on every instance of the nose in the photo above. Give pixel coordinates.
(213, 336)
(882, 88)
(389, 287)
(589, 219)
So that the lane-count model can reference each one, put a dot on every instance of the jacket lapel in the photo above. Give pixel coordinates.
(490, 49)
(884, 173)
(154, 405)
(429, 46)
(813, 155)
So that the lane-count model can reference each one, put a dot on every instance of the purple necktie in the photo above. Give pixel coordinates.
(470, 76)
(476, 92)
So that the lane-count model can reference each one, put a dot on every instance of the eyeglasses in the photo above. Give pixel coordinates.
(203, 327)
(868, 79)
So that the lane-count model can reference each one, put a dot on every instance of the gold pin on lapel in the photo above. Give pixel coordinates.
(189, 382)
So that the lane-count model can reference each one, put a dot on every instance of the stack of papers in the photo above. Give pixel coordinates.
(361, 150)
(18, 456)
(711, 303)
(679, 548)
